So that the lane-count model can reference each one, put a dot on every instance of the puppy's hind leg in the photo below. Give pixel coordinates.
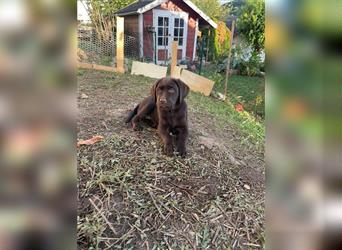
(151, 123)
(142, 113)
(132, 114)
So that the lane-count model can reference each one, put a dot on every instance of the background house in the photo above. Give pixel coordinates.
(82, 14)
(157, 23)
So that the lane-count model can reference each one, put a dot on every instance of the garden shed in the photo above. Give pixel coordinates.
(155, 24)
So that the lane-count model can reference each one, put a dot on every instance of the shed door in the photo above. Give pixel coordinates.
(170, 26)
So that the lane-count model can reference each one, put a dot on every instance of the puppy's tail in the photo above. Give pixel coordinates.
(132, 114)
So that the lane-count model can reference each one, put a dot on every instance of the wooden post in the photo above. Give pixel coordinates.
(120, 43)
(229, 56)
(174, 57)
(206, 58)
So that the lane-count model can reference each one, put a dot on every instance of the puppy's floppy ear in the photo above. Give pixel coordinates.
(183, 90)
(153, 90)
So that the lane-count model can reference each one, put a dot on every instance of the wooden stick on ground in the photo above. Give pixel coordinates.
(102, 215)
(155, 204)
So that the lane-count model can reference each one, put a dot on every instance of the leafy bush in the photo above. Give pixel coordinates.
(247, 61)
(251, 23)
(244, 60)
(213, 8)
(219, 42)
(222, 38)
(251, 67)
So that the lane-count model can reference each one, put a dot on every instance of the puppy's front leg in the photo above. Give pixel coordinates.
(167, 139)
(182, 138)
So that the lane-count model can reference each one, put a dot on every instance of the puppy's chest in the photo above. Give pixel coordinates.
(172, 120)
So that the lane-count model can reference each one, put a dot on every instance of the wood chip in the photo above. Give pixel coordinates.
(84, 96)
(90, 141)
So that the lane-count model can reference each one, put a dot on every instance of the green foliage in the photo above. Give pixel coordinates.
(212, 44)
(223, 113)
(234, 6)
(249, 65)
(108, 7)
(213, 9)
(246, 90)
(222, 38)
(251, 23)
(219, 42)
(101, 14)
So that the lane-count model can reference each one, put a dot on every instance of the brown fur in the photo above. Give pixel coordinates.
(166, 110)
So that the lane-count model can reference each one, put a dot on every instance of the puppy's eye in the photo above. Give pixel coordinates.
(171, 91)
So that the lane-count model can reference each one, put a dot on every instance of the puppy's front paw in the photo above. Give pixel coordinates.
(168, 150)
(136, 127)
(182, 152)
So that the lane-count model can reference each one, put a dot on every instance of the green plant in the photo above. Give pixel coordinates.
(251, 24)
(101, 12)
(222, 38)
(217, 41)
(246, 61)
(250, 67)
(212, 8)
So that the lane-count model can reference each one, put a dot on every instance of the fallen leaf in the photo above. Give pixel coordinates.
(90, 141)
(239, 107)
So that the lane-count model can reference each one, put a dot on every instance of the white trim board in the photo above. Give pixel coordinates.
(196, 82)
(201, 13)
(148, 69)
(141, 35)
(150, 6)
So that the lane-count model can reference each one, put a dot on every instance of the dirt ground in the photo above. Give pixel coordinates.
(133, 197)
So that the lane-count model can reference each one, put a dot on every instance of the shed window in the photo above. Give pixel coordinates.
(178, 32)
(163, 31)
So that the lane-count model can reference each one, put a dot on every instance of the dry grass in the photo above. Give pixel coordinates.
(133, 197)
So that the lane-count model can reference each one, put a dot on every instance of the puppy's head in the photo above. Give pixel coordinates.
(169, 92)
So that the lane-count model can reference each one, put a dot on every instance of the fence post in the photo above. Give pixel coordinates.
(174, 56)
(120, 43)
(202, 42)
(229, 56)
(207, 56)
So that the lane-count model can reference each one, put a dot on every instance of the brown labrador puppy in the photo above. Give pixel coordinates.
(166, 110)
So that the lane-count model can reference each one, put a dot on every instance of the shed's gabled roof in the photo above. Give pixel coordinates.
(133, 8)
(142, 6)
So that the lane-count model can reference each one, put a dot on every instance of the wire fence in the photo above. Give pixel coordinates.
(93, 50)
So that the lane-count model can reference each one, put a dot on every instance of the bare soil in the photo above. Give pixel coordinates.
(133, 197)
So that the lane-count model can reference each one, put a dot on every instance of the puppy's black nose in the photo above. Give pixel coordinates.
(162, 100)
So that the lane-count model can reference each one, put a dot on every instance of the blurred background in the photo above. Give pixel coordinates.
(303, 114)
(38, 179)
(37, 124)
